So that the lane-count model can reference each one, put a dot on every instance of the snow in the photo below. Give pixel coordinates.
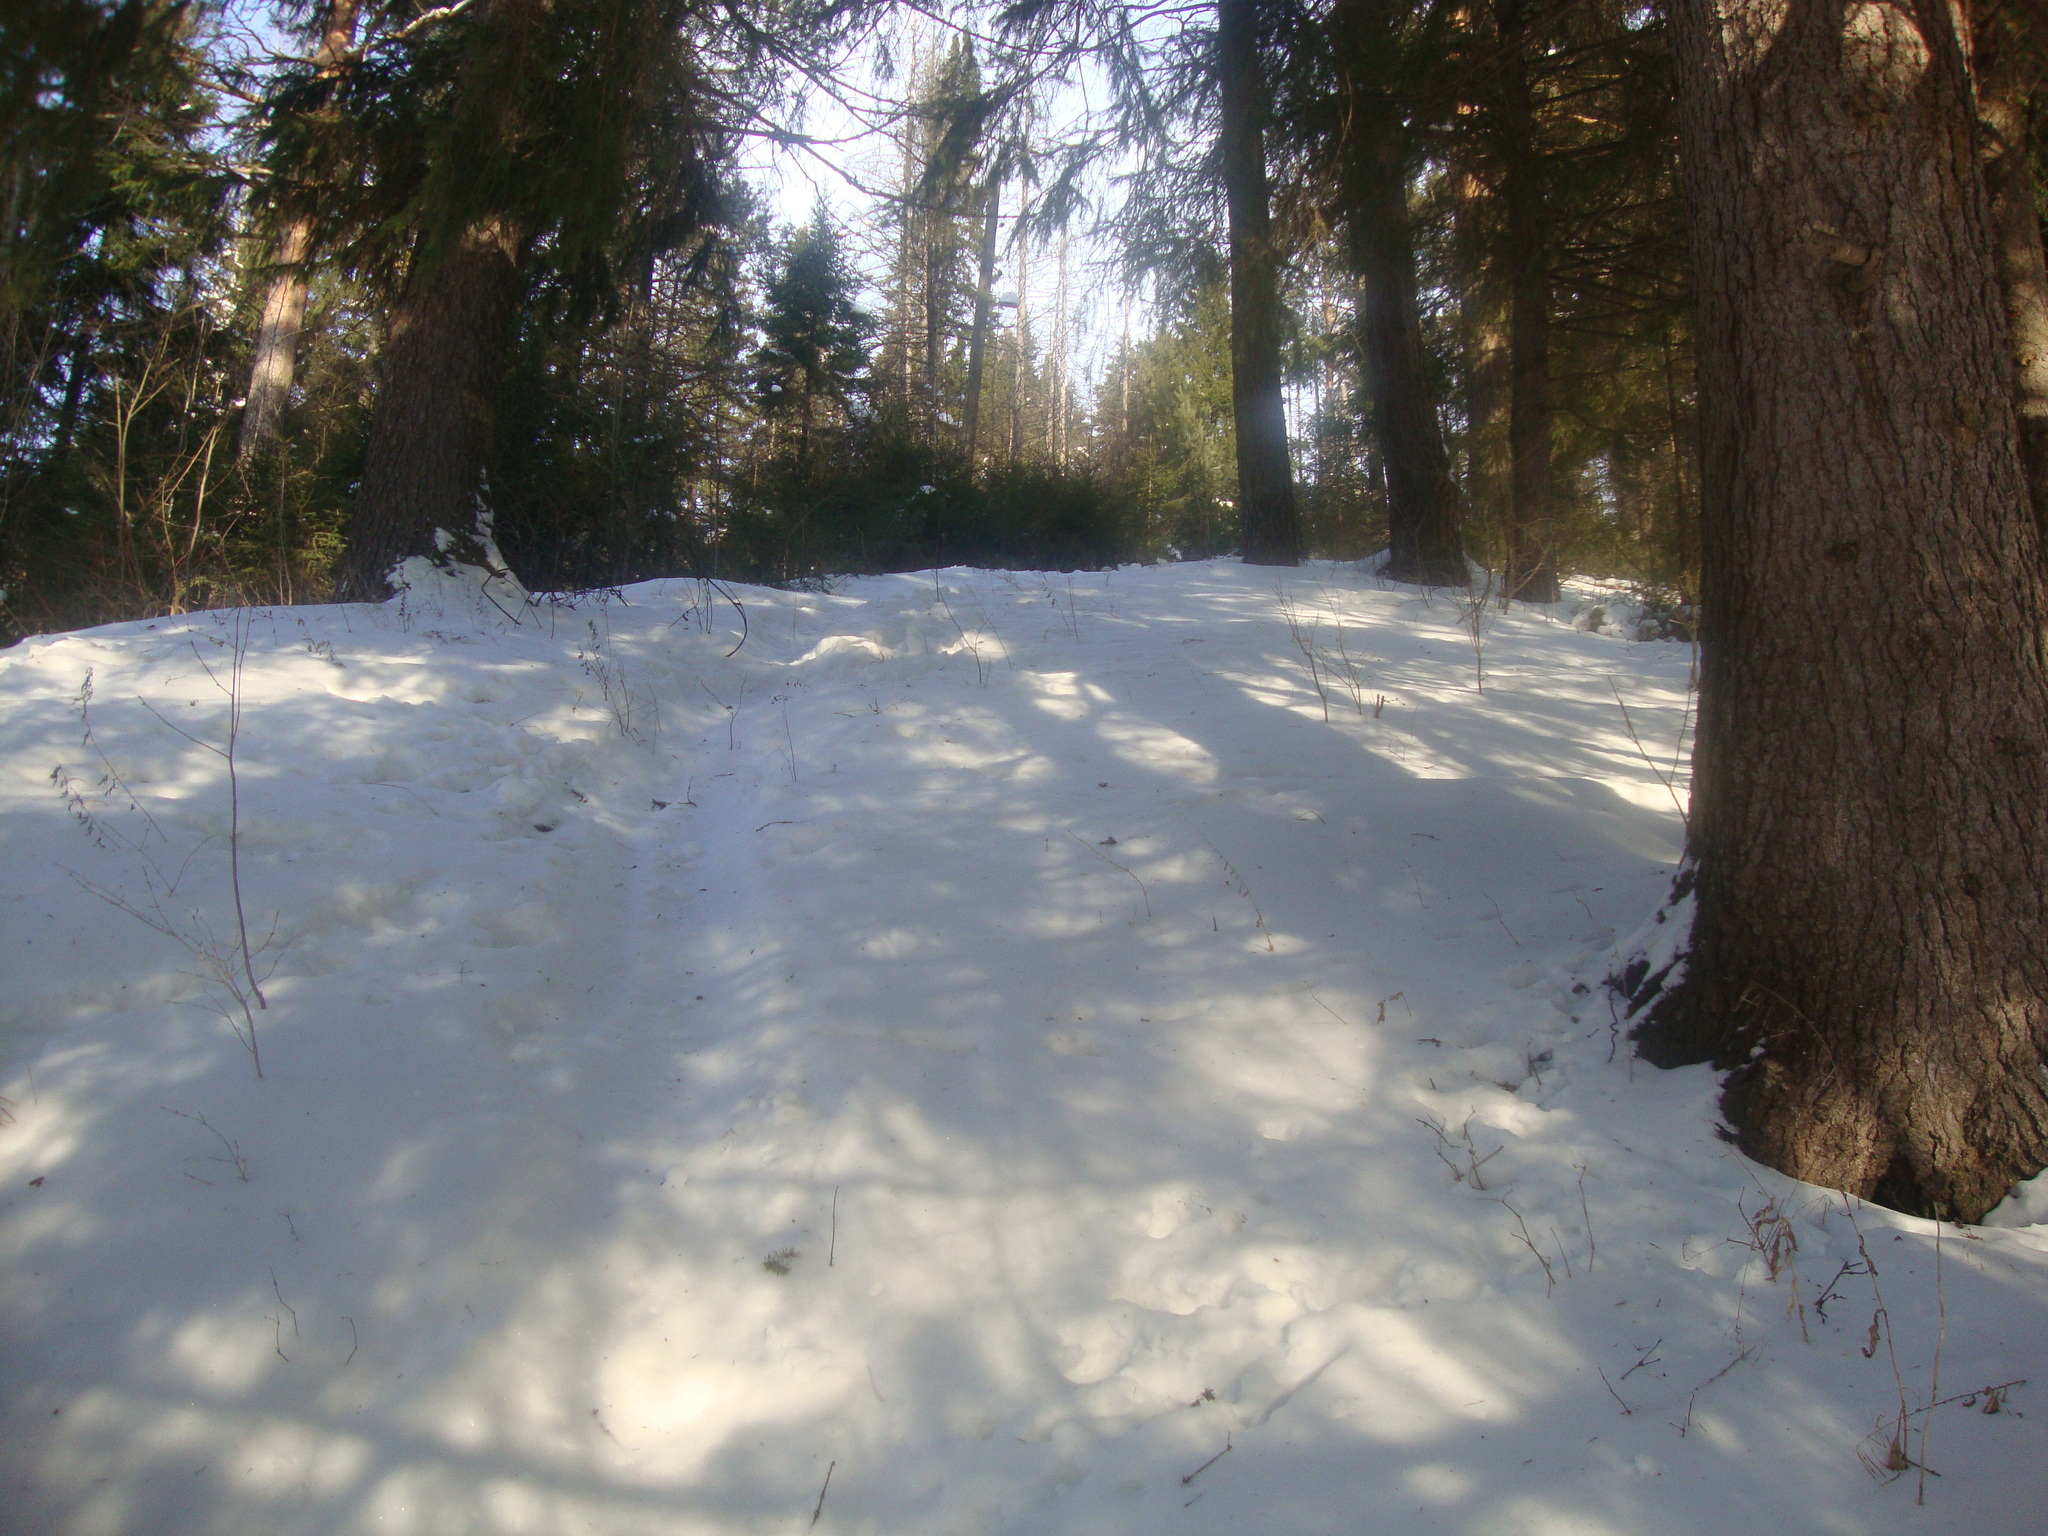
(988, 1054)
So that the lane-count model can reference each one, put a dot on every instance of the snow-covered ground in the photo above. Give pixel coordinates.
(994, 1054)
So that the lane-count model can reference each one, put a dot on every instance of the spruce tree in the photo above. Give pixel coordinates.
(1870, 952)
(810, 368)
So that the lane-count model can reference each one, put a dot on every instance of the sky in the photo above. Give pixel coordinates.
(855, 151)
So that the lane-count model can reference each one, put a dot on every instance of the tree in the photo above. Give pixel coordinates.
(1267, 514)
(984, 308)
(1531, 553)
(1169, 442)
(813, 354)
(275, 355)
(937, 209)
(610, 459)
(570, 131)
(110, 347)
(1375, 50)
(1870, 950)
(2009, 46)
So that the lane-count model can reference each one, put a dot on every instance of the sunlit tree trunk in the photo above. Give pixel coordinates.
(275, 362)
(1022, 361)
(1871, 945)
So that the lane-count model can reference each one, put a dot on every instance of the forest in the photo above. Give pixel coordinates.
(225, 224)
(667, 613)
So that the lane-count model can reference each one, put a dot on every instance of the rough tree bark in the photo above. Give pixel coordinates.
(1269, 519)
(2008, 67)
(430, 433)
(1531, 562)
(284, 304)
(1870, 951)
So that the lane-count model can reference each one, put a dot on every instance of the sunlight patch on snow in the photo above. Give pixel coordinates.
(1143, 744)
(227, 1355)
(652, 1121)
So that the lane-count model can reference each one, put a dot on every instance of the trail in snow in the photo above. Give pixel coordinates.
(991, 1038)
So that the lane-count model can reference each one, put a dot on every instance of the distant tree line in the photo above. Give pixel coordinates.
(270, 323)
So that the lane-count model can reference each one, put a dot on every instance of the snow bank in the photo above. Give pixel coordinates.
(1047, 1054)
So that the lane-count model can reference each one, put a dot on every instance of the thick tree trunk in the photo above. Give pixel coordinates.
(430, 434)
(1425, 542)
(1532, 560)
(1871, 943)
(984, 306)
(1269, 519)
(2008, 72)
(277, 339)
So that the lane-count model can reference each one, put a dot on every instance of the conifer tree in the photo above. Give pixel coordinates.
(1870, 952)
(1385, 65)
(498, 135)
(1267, 512)
(810, 369)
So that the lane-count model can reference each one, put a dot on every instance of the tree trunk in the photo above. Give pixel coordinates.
(1425, 542)
(937, 260)
(430, 434)
(1489, 474)
(984, 304)
(78, 361)
(1057, 401)
(277, 340)
(1532, 562)
(1871, 944)
(284, 306)
(1023, 333)
(1268, 517)
(2008, 73)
